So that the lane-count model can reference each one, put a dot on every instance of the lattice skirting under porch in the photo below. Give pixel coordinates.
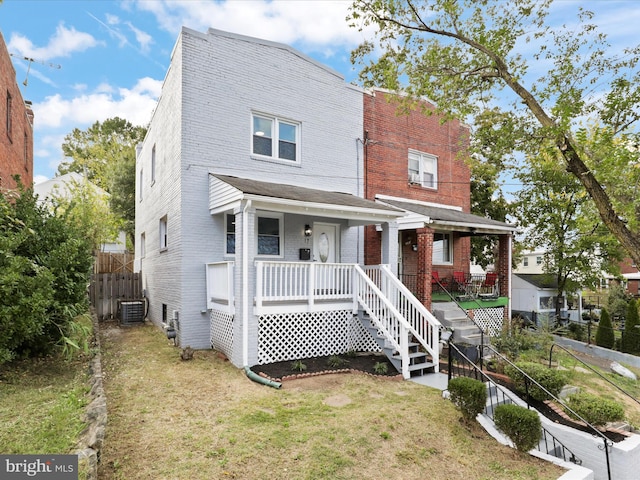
(292, 336)
(490, 319)
(221, 331)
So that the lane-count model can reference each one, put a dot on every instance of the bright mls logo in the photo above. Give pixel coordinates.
(50, 467)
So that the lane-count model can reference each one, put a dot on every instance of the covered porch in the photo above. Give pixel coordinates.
(311, 296)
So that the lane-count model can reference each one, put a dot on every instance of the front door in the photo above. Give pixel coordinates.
(326, 240)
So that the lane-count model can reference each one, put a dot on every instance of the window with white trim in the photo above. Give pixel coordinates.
(164, 237)
(230, 229)
(269, 234)
(153, 164)
(275, 138)
(269, 230)
(525, 262)
(143, 245)
(442, 249)
(538, 260)
(423, 169)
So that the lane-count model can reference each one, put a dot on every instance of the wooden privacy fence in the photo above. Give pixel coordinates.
(107, 262)
(108, 290)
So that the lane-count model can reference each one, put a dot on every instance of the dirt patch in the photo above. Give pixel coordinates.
(369, 363)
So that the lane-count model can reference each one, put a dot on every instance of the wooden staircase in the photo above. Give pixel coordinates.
(420, 362)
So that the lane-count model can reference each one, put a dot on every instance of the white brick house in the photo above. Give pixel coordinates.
(249, 212)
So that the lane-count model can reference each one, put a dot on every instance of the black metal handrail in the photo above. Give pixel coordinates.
(552, 444)
(482, 332)
(592, 369)
(530, 380)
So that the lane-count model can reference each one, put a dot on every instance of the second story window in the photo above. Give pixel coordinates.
(9, 114)
(423, 169)
(276, 138)
(153, 165)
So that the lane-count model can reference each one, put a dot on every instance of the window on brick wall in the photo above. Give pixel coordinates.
(423, 169)
(275, 138)
(442, 249)
(269, 234)
(153, 165)
(230, 229)
(9, 122)
(164, 237)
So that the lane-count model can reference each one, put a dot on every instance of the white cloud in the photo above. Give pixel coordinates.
(314, 24)
(62, 44)
(143, 38)
(135, 105)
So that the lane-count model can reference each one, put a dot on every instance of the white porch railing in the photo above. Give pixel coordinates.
(219, 286)
(302, 283)
(411, 315)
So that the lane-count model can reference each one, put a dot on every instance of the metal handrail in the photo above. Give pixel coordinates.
(529, 379)
(506, 397)
(482, 332)
(592, 369)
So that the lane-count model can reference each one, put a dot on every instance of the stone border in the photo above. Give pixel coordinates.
(558, 409)
(296, 376)
(91, 439)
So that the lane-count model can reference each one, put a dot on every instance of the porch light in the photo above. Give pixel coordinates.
(307, 230)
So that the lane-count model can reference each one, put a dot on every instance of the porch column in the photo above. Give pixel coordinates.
(245, 329)
(390, 245)
(425, 249)
(504, 269)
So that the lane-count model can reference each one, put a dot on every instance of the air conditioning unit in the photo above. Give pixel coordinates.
(414, 178)
(131, 313)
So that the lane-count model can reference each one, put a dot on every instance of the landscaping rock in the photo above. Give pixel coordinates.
(623, 371)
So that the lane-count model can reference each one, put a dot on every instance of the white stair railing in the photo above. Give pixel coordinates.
(384, 315)
(424, 327)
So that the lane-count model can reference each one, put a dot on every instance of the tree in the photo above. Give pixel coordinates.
(617, 300)
(472, 56)
(604, 335)
(105, 153)
(631, 337)
(45, 262)
(558, 218)
(94, 152)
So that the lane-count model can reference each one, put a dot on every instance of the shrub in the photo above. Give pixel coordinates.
(380, 368)
(594, 409)
(604, 336)
(520, 424)
(551, 380)
(334, 361)
(469, 395)
(631, 338)
(576, 331)
(512, 341)
(298, 366)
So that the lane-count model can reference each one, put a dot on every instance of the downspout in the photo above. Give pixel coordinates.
(245, 293)
(259, 379)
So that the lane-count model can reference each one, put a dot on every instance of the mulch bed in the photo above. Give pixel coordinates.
(361, 362)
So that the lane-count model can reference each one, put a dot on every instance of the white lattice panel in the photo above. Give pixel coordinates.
(490, 320)
(291, 336)
(222, 332)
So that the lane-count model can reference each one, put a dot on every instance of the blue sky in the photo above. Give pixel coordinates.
(97, 59)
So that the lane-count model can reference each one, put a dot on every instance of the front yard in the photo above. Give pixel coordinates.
(204, 419)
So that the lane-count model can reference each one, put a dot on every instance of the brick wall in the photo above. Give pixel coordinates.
(16, 139)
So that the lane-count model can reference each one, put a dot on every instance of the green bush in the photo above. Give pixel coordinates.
(551, 380)
(631, 337)
(594, 409)
(576, 331)
(604, 336)
(520, 424)
(45, 261)
(469, 395)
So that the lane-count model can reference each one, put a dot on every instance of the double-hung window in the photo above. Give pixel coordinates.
(164, 236)
(442, 249)
(423, 169)
(275, 138)
(269, 234)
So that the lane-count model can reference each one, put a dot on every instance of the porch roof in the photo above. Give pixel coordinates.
(226, 192)
(446, 218)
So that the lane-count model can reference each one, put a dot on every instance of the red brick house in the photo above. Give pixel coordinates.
(416, 162)
(16, 129)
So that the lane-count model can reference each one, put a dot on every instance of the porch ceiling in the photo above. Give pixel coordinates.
(226, 193)
(446, 218)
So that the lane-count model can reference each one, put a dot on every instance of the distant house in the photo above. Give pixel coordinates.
(63, 187)
(16, 128)
(534, 298)
(530, 263)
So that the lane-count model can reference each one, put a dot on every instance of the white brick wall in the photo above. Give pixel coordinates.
(202, 124)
